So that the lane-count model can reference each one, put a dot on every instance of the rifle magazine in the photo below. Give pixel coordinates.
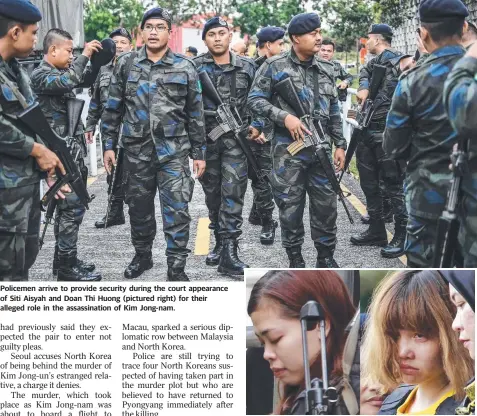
(295, 147)
(217, 132)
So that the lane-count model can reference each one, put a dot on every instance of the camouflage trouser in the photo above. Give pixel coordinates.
(69, 216)
(175, 185)
(19, 229)
(262, 192)
(420, 241)
(292, 178)
(224, 183)
(376, 171)
(468, 222)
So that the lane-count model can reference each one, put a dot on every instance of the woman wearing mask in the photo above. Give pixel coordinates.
(274, 307)
(409, 345)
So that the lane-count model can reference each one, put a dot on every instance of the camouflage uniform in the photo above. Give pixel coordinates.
(419, 131)
(54, 87)
(225, 179)
(459, 99)
(262, 192)
(373, 164)
(163, 124)
(19, 181)
(97, 105)
(341, 73)
(293, 177)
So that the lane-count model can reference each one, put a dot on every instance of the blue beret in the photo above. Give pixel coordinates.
(380, 29)
(191, 49)
(304, 23)
(20, 10)
(439, 10)
(212, 24)
(121, 31)
(156, 13)
(270, 34)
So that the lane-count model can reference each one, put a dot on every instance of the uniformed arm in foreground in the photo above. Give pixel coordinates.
(195, 116)
(460, 94)
(398, 133)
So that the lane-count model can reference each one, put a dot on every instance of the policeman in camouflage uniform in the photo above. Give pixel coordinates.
(327, 51)
(163, 125)
(54, 81)
(293, 177)
(122, 38)
(225, 179)
(418, 129)
(373, 164)
(270, 43)
(22, 155)
(460, 99)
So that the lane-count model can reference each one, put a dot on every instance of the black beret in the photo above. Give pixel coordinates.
(439, 10)
(270, 34)
(121, 31)
(304, 23)
(104, 56)
(380, 29)
(212, 24)
(191, 49)
(157, 13)
(464, 282)
(20, 10)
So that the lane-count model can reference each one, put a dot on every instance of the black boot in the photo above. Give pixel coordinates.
(396, 247)
(267, 236)
(388, 211)
(89, 267)
(229, 262)
(69, 271)
(254, 218)
(375, 235)
(116, 215)
(176, 274)
(326, 263)
(213, 257)
(295, 257)
(139, 264)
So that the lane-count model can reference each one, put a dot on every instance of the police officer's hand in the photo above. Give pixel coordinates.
(198, 167)
(46, 159)
(89, 137)
(342, 85)
(296, 128)
(339, 159)
(362, 96)
(50, 181)
(261, 139)
(109, 160)
(253, 133)
(92, 47)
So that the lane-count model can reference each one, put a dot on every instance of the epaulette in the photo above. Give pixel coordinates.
(187, 58)
(199, 57)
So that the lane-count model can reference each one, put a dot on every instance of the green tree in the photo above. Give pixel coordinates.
(253, 16)
(102, 16)
(348, 20)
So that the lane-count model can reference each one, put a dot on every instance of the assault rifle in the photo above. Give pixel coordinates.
(229, 121)
(286, 90)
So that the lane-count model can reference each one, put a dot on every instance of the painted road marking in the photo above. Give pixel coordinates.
(202, 240)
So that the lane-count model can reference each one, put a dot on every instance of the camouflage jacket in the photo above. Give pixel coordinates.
(221, 77)
(418, 130)
(99, 97)
(163, 108)
(17, 167)
(54, 86)
(341, 73)
(390, 59)
(263, 103)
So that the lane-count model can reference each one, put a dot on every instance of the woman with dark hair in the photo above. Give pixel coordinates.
(274, 307)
